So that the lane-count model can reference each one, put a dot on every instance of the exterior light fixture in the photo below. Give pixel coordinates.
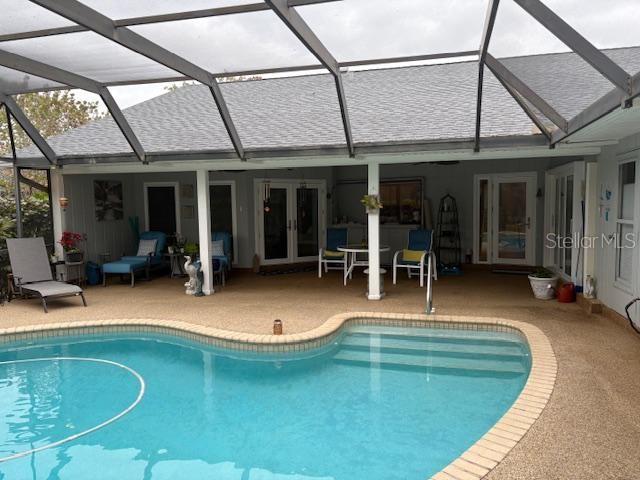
(64, 202)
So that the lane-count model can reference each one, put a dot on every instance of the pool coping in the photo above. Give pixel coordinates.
(474, 464)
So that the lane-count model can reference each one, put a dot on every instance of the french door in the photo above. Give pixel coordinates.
(504, 218)
(290, 220)
(563, 222)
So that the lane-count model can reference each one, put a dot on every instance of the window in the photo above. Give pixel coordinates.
(625, 226)
(402, 202)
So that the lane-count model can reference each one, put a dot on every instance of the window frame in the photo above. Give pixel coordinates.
(234, 214)
(626, 285)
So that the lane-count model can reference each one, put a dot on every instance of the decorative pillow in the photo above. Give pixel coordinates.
(412, 255)
(331, 253)
(217, 248)
(146, 247)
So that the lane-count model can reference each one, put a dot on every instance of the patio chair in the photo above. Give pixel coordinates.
(415, 257)
(32, 272)
(149, 256)
(330, 255)
(222, 262)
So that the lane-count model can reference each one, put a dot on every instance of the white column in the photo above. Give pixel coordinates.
(590, 219)
(57, 191)
(373, 175)
(204, 229)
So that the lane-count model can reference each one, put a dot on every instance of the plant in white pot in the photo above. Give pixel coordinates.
(371, 203)
(543, 284)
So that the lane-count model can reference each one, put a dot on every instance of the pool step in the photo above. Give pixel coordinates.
(422, 346)
(463, 337)
(427, 363)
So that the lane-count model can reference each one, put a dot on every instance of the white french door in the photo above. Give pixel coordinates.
(290, 220)
(504, 218)
(563, 219)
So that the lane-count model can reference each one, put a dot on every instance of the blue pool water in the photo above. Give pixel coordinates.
(380, 403)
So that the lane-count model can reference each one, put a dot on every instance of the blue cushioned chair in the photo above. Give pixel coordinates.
(222, 263)
(130, 265)
(419, 252)
(336, 237)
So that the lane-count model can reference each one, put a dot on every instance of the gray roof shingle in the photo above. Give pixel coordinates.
(405, 104)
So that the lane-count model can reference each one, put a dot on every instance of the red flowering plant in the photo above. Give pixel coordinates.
(70, 241)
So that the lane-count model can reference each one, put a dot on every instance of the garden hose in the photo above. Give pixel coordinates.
(631, 322)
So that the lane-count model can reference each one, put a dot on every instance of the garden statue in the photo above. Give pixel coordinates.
(196, 277)
(190, 269)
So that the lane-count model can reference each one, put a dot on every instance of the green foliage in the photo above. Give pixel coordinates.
(191, 249)
(542, 272)
(52, 113)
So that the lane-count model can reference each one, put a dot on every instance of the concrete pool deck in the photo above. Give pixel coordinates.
(589, 429)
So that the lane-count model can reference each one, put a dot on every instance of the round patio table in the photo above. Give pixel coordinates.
(352, 252)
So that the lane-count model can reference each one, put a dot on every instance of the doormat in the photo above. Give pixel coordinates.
(288, 269)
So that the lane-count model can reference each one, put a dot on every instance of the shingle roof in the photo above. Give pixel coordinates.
(405, 104)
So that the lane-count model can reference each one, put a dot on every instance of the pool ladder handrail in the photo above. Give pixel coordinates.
(431, 265)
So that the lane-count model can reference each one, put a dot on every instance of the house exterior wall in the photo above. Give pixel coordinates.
(457, 180)
(117, 237)
(610, 292)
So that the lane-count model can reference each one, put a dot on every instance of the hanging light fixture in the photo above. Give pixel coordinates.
(266, 197)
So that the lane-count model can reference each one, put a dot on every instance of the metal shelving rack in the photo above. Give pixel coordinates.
(448, 247)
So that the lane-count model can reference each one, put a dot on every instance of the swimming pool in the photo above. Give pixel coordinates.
(376, 403)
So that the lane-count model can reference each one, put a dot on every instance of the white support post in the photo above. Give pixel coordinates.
(204, 229)
(57, 191)
(591, 214)
(375, 293)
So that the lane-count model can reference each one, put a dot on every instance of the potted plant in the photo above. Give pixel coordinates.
(371, 202)
(191, 249)
(70, 242)
(543, 283)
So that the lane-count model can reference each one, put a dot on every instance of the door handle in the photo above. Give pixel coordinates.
(289, 225)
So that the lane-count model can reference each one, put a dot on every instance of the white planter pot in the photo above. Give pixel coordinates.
(543, 288)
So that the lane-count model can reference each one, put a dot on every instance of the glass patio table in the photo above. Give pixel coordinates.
(352, 251)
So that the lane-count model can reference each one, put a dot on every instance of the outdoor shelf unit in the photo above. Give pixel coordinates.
(448, 248)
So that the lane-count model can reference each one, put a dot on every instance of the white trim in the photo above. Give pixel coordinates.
(577, 171)
(477, 178)
(290, 184)
(58, 220)
(234, 215)
(204, 229)
(531, 178)
(176, 191)
(628, 287)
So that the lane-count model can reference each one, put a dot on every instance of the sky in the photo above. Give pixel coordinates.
(354, 30)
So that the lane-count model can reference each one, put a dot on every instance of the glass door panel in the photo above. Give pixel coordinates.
(306, 223)
(483, 227)
(513, 228)
(568, 224)
(276, 224)
(512, 220)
